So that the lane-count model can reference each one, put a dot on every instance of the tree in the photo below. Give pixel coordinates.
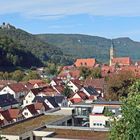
(118, 85)
(85, 72)
(31, 75)
(66, 91)
(96, 73)
(17, 75)
(128, 126)
(51, 69)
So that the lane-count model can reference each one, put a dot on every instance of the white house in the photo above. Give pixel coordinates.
(29, 97)
(98, 121)
(29, 111)
(101, 115)
(74, 87)
(18, 90)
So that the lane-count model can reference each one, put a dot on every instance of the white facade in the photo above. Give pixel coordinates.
(76, 96)
(17, 95)
(6, 90)
(28, 99)
(98, 121)
(83, 89)
(26, 113)
(53, 83)
(73, 87)
(10, 137)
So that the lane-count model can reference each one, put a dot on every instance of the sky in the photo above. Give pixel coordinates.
(106, 18)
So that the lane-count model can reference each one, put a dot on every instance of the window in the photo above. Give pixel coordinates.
(81, 63)
(85, 63)
(94, 124)
(26, 113)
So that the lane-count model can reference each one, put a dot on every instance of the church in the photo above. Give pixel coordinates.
(120, 61)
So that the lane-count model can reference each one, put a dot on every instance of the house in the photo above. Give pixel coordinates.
(43, 91)
(37, 83)
(18, 90)
(31, 95)
(8, 101)
(99, 84)
(50, 91)
(27, 85)
(77, 97)
(61, 100)
(56, 81)
(74, 101)
(91, 92)
(102, 113)
(69, 74)
(96, 114)
(121, 61)
(29, 111)
(10, 116)
(41, 107)
(48, 100)
(74, 74)
(88, 62)
(107, 70)
(75, 85)
(64, 75)
(3, 83)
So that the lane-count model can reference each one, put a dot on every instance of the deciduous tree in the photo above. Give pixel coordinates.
(128, 126)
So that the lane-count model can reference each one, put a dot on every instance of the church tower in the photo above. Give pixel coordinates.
(111, 53)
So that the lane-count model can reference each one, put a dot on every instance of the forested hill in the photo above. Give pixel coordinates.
(20, 48)
(92, 46)
(12, 55)
(34, 45)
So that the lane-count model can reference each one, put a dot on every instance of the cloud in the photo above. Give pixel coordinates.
(47, 9)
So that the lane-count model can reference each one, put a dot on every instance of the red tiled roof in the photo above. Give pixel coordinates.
(36, 91)
(18, 87)
(89, 62)
(76, 100)
(6, 82)
(6, 115)
(38, 106)
(47, 90)
(96, 83)
(75, 73)
(27, 85)
(14, 113)
(82, 95)
(121, 61)
(60, 88)
(36, 81)
(32, 109)
(57, 81)
(68, 67)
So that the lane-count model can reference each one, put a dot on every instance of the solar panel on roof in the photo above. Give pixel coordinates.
(98, 109)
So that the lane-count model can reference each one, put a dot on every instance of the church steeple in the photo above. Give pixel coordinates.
(111, 52)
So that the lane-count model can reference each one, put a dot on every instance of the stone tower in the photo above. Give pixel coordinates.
(111, 53)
